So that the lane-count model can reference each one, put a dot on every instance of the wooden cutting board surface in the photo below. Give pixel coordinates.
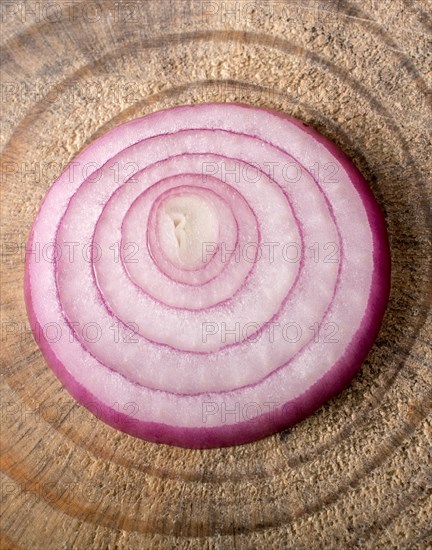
(355, 474)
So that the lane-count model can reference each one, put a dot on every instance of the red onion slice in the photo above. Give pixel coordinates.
(218, 272)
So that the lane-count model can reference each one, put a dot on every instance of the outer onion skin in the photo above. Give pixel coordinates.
(286, 414)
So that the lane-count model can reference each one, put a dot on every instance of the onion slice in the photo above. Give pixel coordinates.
(207, 275)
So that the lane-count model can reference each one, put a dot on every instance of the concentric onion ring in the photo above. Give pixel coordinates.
(237, 276)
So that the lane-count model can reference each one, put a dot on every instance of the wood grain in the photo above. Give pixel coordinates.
(356, 474)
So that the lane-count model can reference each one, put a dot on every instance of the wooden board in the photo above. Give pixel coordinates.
(357, 473)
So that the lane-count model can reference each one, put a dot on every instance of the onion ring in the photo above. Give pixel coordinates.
(209, 274)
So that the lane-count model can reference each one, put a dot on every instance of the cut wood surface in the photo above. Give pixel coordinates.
(356, 474)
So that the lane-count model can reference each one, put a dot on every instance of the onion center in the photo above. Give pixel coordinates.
(186, 223)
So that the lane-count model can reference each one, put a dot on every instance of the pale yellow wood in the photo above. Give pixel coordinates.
(356, 474)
